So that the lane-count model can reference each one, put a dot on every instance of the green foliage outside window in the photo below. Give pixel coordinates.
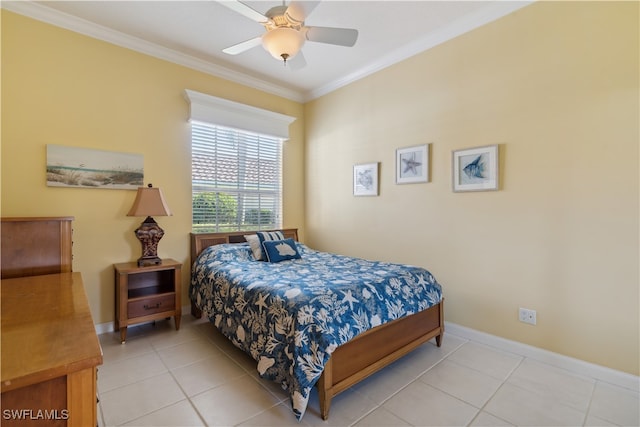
(259, 216)
(214, 211)
(212, 208)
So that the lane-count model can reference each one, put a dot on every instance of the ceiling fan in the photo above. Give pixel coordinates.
(285, 31)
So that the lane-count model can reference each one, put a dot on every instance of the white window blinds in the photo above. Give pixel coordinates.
(236, 164)
(236, 179)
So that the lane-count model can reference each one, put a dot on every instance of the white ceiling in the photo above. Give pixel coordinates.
(193, 33)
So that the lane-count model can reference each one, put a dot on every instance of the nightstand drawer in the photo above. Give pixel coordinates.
(151, 305)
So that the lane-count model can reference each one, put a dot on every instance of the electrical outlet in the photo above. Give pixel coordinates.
(527, 316)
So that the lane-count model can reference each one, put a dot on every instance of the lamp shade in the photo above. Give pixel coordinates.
(283, 42)
(149, 202)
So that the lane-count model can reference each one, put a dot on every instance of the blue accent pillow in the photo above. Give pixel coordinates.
(280, 250)
(264, 236)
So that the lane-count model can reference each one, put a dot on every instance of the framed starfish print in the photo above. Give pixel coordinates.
(412, 164)
(475, 169)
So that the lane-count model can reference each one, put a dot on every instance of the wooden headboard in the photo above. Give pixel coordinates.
(36, 245)
(201, 241)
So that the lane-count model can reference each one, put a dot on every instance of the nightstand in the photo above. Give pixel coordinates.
(147, 293)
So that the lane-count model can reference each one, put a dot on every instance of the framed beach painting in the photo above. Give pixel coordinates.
(412, 164)
(77, 167)
(475, 169)
(365, 179)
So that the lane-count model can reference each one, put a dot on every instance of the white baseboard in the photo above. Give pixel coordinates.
(577, 366)
(103, 328)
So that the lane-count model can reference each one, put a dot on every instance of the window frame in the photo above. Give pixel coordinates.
(209, 110)
(244, 179)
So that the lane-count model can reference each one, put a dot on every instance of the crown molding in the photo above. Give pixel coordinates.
(456, 28)
(51, 16)
(470, 22)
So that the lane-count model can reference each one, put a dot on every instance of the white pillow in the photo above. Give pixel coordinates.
(254, 243)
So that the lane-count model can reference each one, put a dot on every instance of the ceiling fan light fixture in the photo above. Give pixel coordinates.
(283, 43)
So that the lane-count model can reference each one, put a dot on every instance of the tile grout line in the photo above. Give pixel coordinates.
(171, 373)
(250, 374)
(502, 383)
(564, 371)
(381, 404)
(233, 360)
(188, 399)
(586, 414)
(155, 351)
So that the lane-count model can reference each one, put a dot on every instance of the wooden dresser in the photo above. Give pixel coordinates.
(50, 351)
(32, 246)
(49, 347)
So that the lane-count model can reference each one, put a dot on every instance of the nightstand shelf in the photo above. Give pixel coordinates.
(147, 293)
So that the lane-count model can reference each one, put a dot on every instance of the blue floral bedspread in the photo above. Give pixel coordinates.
(290, 316)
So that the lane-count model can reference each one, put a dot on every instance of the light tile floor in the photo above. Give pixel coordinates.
(195, 377)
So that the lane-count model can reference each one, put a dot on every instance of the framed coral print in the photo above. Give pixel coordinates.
(365, 179)
(475, 169)
(412, 164)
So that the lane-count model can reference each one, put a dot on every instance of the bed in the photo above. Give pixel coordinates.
(317, 319)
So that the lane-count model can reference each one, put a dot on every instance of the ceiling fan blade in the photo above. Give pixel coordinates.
(339, 36)
(244, 10)
(297, 62)
(244, 46)
(300, 10)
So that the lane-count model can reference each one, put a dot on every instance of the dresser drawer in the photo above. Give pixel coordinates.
(151, 305)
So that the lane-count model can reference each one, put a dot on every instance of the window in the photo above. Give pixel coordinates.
(236, 179)
(236, 161)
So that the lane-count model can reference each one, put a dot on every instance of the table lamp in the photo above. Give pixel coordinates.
(149, 201)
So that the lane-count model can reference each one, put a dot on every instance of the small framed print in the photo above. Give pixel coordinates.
(365, 179)
(412, 164)
(475, 169)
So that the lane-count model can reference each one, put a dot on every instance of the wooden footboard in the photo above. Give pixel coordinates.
(373, 350)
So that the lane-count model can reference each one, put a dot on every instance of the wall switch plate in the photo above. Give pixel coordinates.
(527, 316)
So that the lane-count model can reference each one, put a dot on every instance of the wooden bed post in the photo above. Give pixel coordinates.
(195, 311)
(439, 337)
(324, 383)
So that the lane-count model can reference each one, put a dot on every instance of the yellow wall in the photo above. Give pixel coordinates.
(556, 85)
(59, 87)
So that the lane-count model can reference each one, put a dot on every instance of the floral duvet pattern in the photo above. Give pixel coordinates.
(290, 316)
